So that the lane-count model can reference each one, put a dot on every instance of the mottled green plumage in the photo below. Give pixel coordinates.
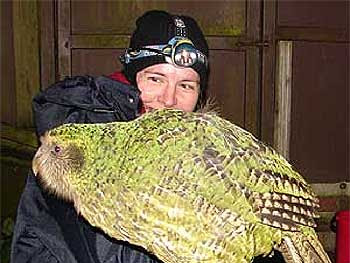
(188, 187)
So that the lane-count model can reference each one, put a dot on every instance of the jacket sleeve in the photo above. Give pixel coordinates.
(26, 244)
(27, 248)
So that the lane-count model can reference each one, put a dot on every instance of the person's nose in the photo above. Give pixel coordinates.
(168, 97)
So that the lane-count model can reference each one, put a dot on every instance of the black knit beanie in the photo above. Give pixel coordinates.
(157, 28)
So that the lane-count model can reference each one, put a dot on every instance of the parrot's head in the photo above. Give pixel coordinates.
(58, 158)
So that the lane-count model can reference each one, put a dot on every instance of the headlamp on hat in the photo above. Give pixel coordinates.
(179, 51)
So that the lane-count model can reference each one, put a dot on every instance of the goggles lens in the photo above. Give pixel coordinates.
(179, 51)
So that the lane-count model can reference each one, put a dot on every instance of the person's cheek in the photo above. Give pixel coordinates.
(147, 94)
(144, 97)
(151, 94)
(187, 102)
(190, 106)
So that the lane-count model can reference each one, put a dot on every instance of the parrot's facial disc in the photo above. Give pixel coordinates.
(54, 162)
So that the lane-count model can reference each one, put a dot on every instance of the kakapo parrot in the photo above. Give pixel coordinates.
(188, 187)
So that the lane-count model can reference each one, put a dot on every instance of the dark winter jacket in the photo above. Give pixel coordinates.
(49, 230)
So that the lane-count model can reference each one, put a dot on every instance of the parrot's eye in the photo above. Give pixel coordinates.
(57, 149)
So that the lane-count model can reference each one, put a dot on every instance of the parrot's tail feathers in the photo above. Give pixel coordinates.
(298, 248)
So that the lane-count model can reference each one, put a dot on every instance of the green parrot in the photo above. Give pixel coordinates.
(188, 187)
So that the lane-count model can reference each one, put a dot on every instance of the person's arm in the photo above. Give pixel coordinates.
(37, 237)
(26, 245)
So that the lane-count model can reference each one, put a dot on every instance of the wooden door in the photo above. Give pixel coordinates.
(93, 34)
(311, 120)
(315, 128)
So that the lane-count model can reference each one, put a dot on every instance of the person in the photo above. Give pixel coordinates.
(167, 61)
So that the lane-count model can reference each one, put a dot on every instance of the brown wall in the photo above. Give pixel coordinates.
(7, 80)
(319, 136)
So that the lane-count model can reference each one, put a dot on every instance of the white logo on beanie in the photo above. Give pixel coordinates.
(178, 22)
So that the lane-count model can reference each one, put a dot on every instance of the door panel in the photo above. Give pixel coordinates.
(96, 62)
(313, 20)
(319, 129)
(8, 78)
(318, 123)
(321, 14)
(227, 85)
(224, 18)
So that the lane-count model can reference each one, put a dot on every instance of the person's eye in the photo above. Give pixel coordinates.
(154, 79)
(189, 87)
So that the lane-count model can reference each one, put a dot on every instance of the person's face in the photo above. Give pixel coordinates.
(166, 86)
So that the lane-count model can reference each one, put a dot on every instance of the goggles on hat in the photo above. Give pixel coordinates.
(179, 51)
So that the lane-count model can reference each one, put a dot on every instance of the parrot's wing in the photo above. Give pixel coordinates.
(250, 169)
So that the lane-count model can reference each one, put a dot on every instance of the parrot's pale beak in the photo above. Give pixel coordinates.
(35, 162)
(36, 159)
